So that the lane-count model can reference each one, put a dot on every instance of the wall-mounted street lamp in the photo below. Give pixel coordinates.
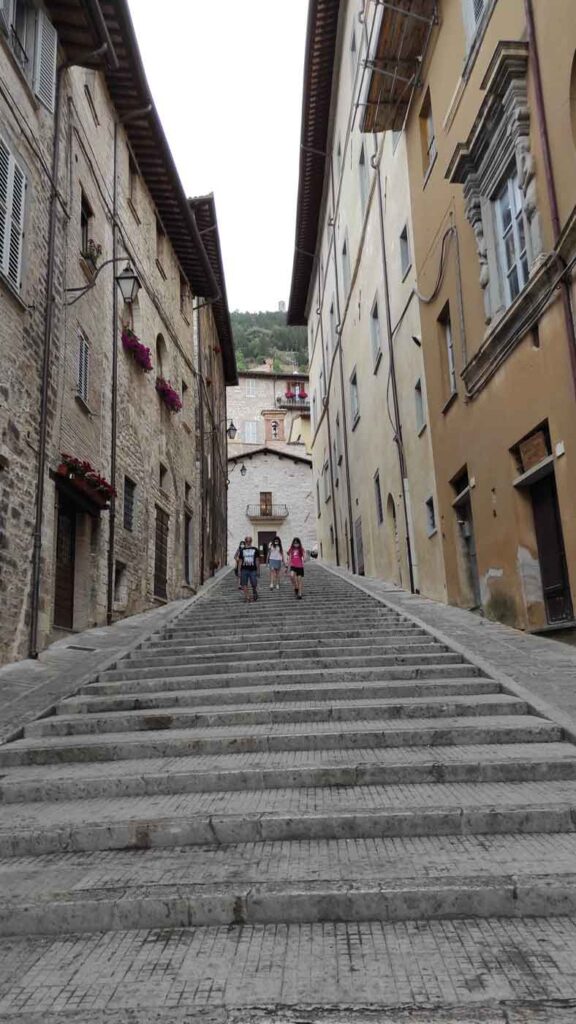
(127, 280)
(231, 432)
(243, 472)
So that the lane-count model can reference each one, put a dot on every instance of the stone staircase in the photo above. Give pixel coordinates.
(288, 803)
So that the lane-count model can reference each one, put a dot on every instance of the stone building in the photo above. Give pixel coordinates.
(270, 480)
(459, 117)
(354, 286)
(102, 448)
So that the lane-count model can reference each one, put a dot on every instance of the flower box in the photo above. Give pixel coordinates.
(303, 395)
(84, 478)
(168, 394)
(140, 353)
(289, 395)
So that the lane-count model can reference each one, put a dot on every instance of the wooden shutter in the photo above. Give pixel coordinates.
(12, 198)
(83, 367)
(45, 61)
(4, 190)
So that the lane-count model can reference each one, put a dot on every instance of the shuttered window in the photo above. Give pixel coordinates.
(45, 61)
(161, 553)
(129, 496)
(83, 367)
(12, 199)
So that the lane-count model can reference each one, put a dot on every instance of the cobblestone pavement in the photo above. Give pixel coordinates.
(360, 808)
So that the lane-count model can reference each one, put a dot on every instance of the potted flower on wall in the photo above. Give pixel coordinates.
(84, 478)
(92, 253)
(289, 394)
(302, 393)
(168, 394)
(140, 353)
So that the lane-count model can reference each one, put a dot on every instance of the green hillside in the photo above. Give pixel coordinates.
(260, 336)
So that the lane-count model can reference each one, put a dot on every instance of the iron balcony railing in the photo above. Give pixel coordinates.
(302, 404)
(267, 511)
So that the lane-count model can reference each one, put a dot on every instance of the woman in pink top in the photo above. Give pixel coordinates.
(295, 558)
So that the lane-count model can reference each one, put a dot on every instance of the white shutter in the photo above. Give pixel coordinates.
(5, 19)
(16, 226)
(4, 190)
(477, 8)
(45, 61)
(83, 361)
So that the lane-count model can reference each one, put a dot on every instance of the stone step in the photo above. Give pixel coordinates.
(183, 905)
(536, 762)
(303, 711)
(159, 683)
(203, 647)
(329, 735)
(254, 654)
(484, 971)
(280, 815)
(85, 704)
(262, 621)
(237, 636)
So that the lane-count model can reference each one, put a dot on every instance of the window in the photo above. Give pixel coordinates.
(511, 236)
(132, 182)
(318, 505)
(187, 548)
(162, 475)
(419, 403)
(161, 553)
(129, 495)
(427, 134)
(83, 367)
(12, 200)
(354, 403)
(184, 398)
(375, 333)
(326, 481)
(86, 216)
(120, 583)
(333, 334)
(473, 11)
(34, 43)
(346, 267)
(265, 503)
(405, 259)
(160, 247)
(251, 431)
(430, 517)
(250, 388)
(183, 295)
(187, 492)
(378, 498)
(364, 180)
(445, 325)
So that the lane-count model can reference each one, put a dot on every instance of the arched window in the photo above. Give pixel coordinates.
(161, 356)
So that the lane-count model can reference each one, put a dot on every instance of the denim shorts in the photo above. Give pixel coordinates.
(249, 576)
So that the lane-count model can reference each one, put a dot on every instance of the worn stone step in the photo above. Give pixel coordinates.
(467, 971)
(85, 704)
(261, 621)
(302, 711)
(184, 905)
(253, 654)
(284, 736)
(537, 762)
(281, 815)
(161, 683)
(202, 647)
(267, 634)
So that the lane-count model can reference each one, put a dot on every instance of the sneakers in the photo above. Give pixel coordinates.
(255, 597)
(271, 586)
(277, 586)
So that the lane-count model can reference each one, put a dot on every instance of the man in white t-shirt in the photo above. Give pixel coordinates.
(249, 558)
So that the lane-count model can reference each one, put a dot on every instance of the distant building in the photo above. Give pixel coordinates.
(270, 468)
(281, 306)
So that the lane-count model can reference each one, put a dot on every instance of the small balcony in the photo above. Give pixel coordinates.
(298, 404)
(266, 513)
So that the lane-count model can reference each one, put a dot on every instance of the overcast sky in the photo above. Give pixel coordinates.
(226, 76)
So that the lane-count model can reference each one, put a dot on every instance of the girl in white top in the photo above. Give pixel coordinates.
(275, 562)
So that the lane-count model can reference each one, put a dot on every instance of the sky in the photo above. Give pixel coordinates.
(226, 77)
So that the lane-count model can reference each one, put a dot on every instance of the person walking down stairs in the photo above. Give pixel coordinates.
(295, 559)
(249, 558)
(275, 562)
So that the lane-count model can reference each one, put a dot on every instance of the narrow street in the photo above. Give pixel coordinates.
(276, 811)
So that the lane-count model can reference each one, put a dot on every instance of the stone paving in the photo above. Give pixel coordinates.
(358, 808)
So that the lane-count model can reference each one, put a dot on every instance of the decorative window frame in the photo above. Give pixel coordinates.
(499, 140)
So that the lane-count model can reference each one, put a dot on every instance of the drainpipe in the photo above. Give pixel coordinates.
(397, 421)
(331, 464)
(202, 439)
(341, 366)
(133, 116)
(47, 349)
(549, 175)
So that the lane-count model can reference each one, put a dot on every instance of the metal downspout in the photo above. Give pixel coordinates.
(202, 439)
(549, 174)
(398, 424)
(341, 365)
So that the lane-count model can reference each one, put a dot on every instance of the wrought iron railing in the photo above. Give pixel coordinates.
(267, 511)
(303, 404)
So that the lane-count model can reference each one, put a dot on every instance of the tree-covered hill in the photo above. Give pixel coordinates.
(260, 336)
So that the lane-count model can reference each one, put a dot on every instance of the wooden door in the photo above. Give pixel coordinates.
(65, 562)
(359, 546)
(161, 553)
(548, 525)
(265, 503)
(466, 525)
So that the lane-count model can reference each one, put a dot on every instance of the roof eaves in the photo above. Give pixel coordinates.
(204, 212)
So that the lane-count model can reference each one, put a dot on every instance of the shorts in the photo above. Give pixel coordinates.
(296, 570)
(249, 576)
(275, 564)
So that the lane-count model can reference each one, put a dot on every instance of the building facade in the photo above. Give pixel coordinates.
(490, 137)
(102, 449)
(270, 469)
(375, 487)
(459, 117)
